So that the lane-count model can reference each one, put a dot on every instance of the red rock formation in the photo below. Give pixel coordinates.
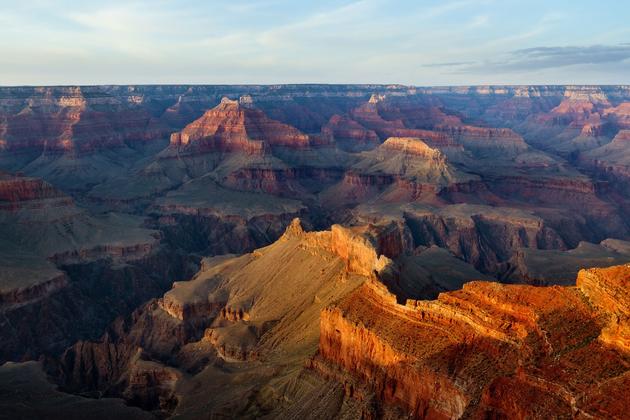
(484, 139)
(611, 160)
(67, 120)
(370, 115)
(619, 115)
(609, 290)
(359, 251)
(471, 352)
(19, 188)
(349, 134)
(414, 147)
(232, 126)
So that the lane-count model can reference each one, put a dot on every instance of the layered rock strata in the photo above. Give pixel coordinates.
(461, 355)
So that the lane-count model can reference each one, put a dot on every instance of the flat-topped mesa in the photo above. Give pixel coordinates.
(236, 126)
(462, 352)
(403, 167)
(609, 290)
(413, 146)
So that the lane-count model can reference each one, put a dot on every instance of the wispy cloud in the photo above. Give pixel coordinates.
(450, 64)
(235, 41)
(541, 58)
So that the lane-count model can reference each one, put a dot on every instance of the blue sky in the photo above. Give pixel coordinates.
(451, 42)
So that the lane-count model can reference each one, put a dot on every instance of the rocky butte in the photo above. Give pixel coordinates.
(314, 251)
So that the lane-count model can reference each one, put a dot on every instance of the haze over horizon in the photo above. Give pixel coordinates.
(459, 42)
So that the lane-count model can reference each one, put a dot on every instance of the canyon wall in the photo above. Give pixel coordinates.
(458, 356)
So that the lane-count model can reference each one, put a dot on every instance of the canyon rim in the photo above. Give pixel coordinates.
(189, 229)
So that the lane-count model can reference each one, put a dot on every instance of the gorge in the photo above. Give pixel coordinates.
(314, 251)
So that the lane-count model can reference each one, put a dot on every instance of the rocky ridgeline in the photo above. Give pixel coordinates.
(236, 309)
(488, 181)
(612, 160)
(365, 251)
(458, 356)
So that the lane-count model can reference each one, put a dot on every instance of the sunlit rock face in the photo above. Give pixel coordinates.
(150, 249)
(470, 351)
(235, 126)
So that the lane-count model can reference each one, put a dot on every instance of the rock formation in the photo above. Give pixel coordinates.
(110, 197)
(470, 352)
(611, 161)
(233, 126)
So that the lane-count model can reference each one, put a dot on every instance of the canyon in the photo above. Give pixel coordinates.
(316, 251)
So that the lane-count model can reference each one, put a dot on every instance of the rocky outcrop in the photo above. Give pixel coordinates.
(349, 135)
(619, 115)
(359, 251)
(235, 309)
(607, 289)
(230, 127)
(426, 186)
(73, 120)
(484, 140)
(611, 161)
(463, 354)
(81, 301)
(481, 235)
(17, 188)
(11, 297)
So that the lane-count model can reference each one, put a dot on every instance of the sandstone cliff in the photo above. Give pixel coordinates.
(234, 126)
(460, 356)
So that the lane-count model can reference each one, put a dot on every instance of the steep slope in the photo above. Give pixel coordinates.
(611, 161)
(254, 316)
(65, 273)
(26, 382)
(400, 169)
(428, 187)
(349, 135)
(486, 350)
(241, 338)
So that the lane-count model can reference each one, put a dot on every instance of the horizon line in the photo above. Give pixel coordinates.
(397, 85)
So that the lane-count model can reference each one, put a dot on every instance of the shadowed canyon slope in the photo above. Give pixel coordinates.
(315, 250)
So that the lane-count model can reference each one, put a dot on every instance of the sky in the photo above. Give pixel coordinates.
(411, 42)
